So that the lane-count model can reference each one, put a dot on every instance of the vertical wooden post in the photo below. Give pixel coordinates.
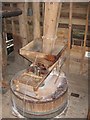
(58, 16)
(27, 25)
(0, 57)
(43, 10)
(70, 26)
(4, 51)
(23, 23)
(1, 60)
(36, 20)
(69, 38)
(12, 21)
(50, 24)
(86, 28)
(23, 28)
(13, 32)
(85, 38)
(1, 46)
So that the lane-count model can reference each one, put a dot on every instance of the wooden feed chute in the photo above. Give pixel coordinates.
(40, 91)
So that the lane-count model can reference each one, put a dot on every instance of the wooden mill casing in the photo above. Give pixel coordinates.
(47, 102)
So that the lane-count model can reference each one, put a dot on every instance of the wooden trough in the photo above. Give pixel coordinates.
(41, 90)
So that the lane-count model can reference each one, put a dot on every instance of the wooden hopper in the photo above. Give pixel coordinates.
(34, 53)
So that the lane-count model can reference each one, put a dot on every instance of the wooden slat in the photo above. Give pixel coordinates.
(75, 21)
(58, 16)
(75, 15)
(81, 10)
(70, 26)
(79, 27)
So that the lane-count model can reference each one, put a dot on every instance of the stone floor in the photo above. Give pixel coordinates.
(77, 107)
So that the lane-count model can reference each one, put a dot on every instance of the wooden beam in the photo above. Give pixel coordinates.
(23, 23)
(74, 26)
(43, 10)
(27, 26)
(1, 57)
(70, 26)
(85, 38)
(76, 9)
(50, 24)
(16, 38)
(58, 16)
(36, 20)
(4, 51)
(86, 28)
(75, 21)
(1, 78)
(75, 15)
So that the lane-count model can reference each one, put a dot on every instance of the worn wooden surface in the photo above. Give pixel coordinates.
(50, 25)
(36, 20)
(23, 24)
